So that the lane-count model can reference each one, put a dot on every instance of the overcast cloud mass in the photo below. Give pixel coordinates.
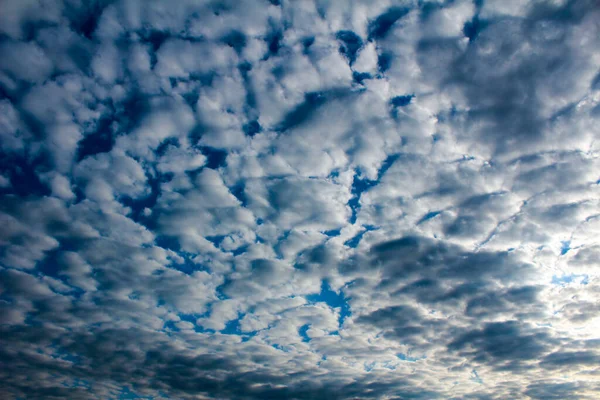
(312, 199)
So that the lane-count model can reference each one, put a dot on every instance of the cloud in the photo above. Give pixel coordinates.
(299, 200)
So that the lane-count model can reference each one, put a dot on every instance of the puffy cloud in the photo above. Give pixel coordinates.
(307, 200)
(181, 58)
(24, 61)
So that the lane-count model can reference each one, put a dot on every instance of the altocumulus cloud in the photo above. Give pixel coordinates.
(259, 199)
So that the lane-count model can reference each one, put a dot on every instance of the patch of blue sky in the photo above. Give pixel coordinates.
(74, 383)
(139, 204)
(188, 266)
(101, 140)
(350, 44)
(360, 77)
(218, 240)
(233, 327)
(428, 216)
(171, 326)
(401, 101)
(380, 26)
(128, 394)
(475, 377)
(74, 358)
(21, 172)
(303, 333)
(361, 185)
(565, 247)
(354, 241)
(472, 28)
(241, 250)
(565, 279)
(219, 289)
(369, 366)
(279, 347)
(332, 299)
(332, 232)
(408, 358)
(323, 358)
(215, 158)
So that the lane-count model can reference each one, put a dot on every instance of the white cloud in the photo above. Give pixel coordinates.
(25, 61)
(314, 199)
(181, 58)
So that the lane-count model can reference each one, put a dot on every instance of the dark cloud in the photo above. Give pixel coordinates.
(567, 359)
(549, 390)
(380, 26)
(502, 81)
(405, 322)
(502, 344)
(413, 257)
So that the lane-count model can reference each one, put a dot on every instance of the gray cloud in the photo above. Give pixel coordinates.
(299, 200)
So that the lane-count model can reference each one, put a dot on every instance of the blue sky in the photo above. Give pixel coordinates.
(313, 199)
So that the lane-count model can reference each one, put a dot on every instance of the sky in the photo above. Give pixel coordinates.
(311, 199)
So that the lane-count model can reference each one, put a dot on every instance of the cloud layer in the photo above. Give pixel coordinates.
(299, 199)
